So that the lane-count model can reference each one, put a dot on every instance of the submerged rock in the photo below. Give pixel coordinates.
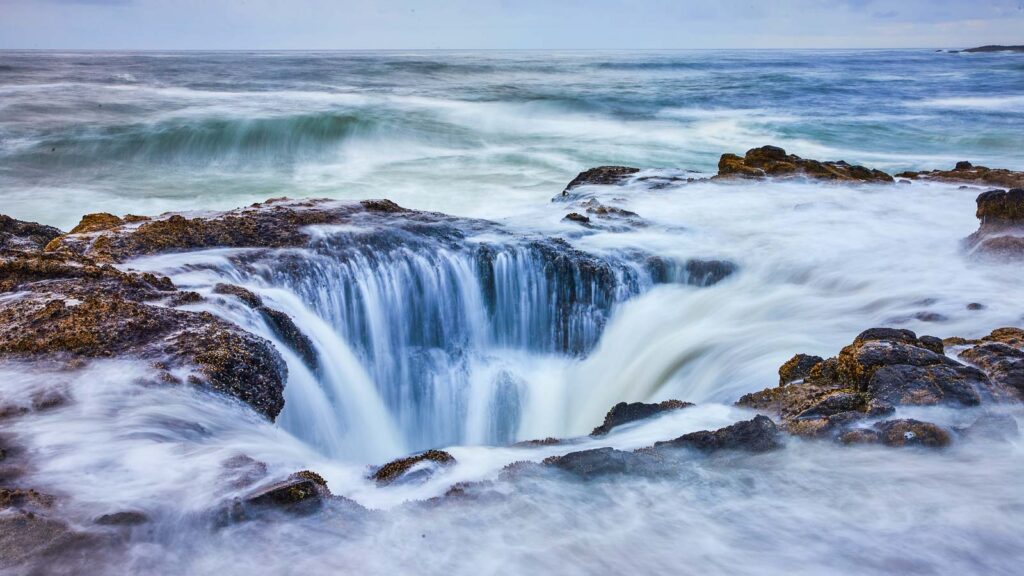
(300, 493)
(756, 435)
(1001, 356)
(1001, 233)
(600, 462)
(772, 161)
(623, 413)
(602, 175)
(280, 323)
(413, 468)
(899, 433)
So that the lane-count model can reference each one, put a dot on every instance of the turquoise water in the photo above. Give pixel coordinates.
(485, 133)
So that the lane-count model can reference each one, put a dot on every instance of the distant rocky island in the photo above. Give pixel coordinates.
(989, 48)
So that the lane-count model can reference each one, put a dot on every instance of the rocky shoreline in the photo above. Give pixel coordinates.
(69, 299)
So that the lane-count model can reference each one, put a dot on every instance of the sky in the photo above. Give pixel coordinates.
(507, 24)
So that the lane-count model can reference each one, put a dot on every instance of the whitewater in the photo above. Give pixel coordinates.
(476, 345)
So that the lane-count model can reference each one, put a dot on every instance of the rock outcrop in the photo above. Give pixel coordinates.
(602, 175)
(413, 468)
(756, 435)
(967, 173)
(280, 323)
(772, 161)
(899, 433)
(1001, 233)
(995, 48)
(624, 413)
(882, 369)
(601, 462)
(20, 235)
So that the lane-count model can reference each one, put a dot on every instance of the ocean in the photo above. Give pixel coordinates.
(415, 354)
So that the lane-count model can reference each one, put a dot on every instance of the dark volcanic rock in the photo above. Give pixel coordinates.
(757, 435)
(280, 323)
(602, 175)
(1001, 233)
(124, 518)
(881, 369)
(623, 413)
(412, 468)
(797, 368)
(968, 173)
(1001, 357)
(899, 433)
(300, 493)
(577, 218)
(772, 161)
(19, 235)
(590, 464)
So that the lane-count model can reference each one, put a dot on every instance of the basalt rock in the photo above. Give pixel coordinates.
(280, 323)
(968, 173)
(1001, 233)
(1001, 356)
(602, 175)
(20, 235)
(623, 413)
(883, 368)
(601, 462)
(899, 433)
(413, 468)
(757, 435)
(772, 161)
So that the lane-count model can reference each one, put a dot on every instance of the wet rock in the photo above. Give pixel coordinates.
(31, 539)
(707, 272)
(993, 426)
(600, 462)
(20, 235)
(123, 518)
(969, 173)
(1001, 233)
(1002, 363)
(882, 368)
(413, 468)
(549, 441)
(797, 368)
(975, 306)
(603, 211)
(900, 433)
(772, 161)
(279, 323)
(602, 175)
(70, 307)
(302, 492)
(577, 218)
(623, 413)
(97, 223)
(757, 435)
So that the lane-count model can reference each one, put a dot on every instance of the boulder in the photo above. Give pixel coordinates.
(623, 413)
(20, 235)
(413, 468)
(797, 368)
(602, 175)
(1001, 233)
(301, 493)
(1001, 357)
(772, 161)
(756, 435)
(899, 433)
(600, 462)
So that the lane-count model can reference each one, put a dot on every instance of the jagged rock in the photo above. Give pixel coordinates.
(280, 323)
(623, 413)
(899, 433)
(602, 175)
(1000, 356)
(20, 235)
(932, 343)
(413, 468)
(1001, 233)
(797, 368)
(598, 210)
(774, 162)
(71, 307)
(96, 223)
(881, 369)
(577, 218)
(757, 435)
(969, 173)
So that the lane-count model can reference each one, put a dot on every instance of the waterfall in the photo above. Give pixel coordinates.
(421, 343)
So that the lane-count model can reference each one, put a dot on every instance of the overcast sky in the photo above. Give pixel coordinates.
(355, 24)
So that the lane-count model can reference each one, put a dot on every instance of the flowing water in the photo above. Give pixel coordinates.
(476, 345)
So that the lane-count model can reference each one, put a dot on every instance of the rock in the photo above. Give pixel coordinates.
(993, 426)
(602, 175)
(757, 435)
(1001, 358)
(1001, 233)
(975, 306)
(797, 368)
(20, 235)
(707, 272)
(124, 518)
(598, 210)
(600, 462)
(971, 174)
(279, 323)
(882, 368)
(30, 538)
(301, 493)
(70, 307)
(577, 218)
(418, 467)
(623, 413)
(995, 48)
(772, 161)
(900, 433)
(96, 223)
